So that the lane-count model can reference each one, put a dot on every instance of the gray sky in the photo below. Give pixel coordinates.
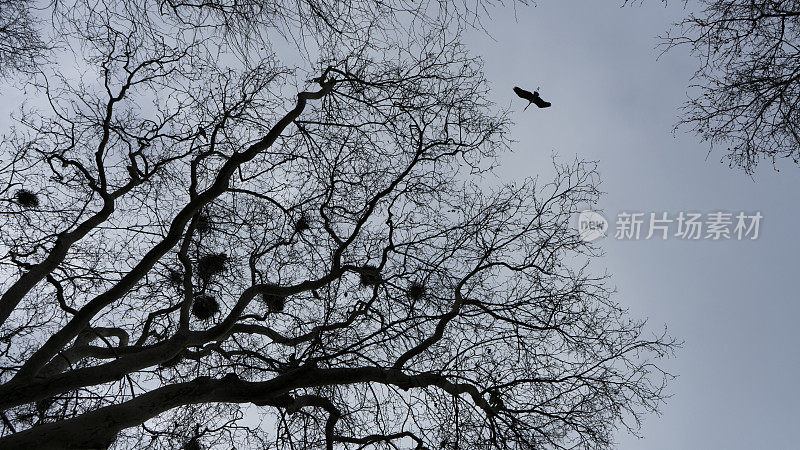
(734, 303)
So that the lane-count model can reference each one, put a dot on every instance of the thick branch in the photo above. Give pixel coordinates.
(100, 427)
(82, 318)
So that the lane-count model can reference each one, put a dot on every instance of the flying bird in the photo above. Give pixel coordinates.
(531, 97)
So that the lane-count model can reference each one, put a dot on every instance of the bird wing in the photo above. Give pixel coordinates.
(522, 93)
(539, 101)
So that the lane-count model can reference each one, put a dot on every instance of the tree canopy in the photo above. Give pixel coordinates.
(20, 43)
(268, 225)
(745, 97)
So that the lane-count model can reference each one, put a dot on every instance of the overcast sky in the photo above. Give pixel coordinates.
(735, 303)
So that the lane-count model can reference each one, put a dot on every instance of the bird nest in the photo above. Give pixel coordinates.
(302, 224)
(210, 265)
(205, 306)
(203, 224)
(193, 444)
(496, 401)
(416, 290)
(274, 302)
(370, 275)
(174, 276)
(27, 199)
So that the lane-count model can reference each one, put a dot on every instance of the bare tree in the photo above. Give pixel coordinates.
(21, 45)
(206, 247)
(746, 97)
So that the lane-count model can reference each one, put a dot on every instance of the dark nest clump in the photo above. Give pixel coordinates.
(274, 302)
(174, 276)
(203, 223)
(416, 290)
(193, 444)
(370, 275)
(302, 224)
(495, 400)
(27, 199)
(205, 306)
(210, 265)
